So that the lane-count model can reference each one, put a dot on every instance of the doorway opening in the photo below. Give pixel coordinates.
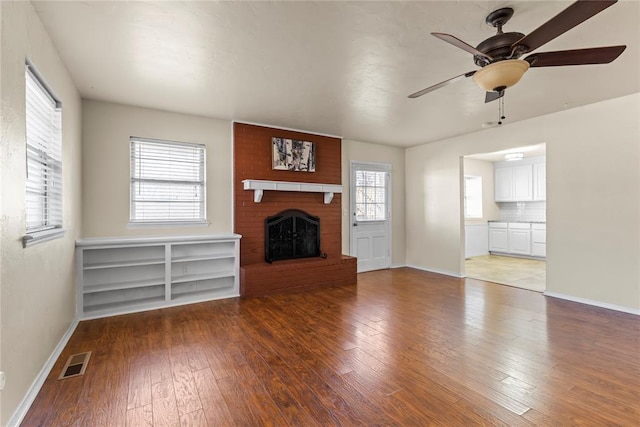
(503, 206)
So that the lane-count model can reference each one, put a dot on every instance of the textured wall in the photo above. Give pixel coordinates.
(37, 303)
(106, 128)
(593, 198)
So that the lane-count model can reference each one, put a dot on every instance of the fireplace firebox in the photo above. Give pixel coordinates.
(291, 234)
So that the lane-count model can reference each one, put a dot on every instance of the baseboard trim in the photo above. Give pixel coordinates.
(595, 303)
(432, 270)
(24, 406)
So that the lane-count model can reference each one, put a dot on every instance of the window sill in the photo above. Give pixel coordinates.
(168, 224)
(42, 236)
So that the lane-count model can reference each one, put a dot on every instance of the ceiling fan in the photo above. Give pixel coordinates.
(498, 55)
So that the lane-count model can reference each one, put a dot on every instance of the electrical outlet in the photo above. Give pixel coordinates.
(185, 269)
(3, 379)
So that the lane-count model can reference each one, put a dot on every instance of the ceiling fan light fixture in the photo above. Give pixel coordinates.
(500, 75)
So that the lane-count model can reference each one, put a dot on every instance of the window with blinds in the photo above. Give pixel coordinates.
(167, 182)
(43, 203)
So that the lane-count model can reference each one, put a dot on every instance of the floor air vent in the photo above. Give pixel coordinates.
(75, 366)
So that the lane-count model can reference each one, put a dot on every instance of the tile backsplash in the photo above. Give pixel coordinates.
(523, 211)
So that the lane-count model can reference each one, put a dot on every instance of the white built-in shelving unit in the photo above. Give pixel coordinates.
(125, 275)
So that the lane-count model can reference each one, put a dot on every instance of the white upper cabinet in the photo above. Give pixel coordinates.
(523, 182)
(539, 181)
(503, 184)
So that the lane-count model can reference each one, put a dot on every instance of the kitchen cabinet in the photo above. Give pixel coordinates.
(539, 240)
(523, 182)
(520, 238)
(498, 237)
(503, 184)
(124, 275)
(539, 181)
(514, 183)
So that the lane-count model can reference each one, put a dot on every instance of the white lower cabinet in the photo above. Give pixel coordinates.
(124, 275)
(518, 238)
(539, 240)
(498, 237)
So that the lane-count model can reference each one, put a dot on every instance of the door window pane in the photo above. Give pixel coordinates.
(371, 197)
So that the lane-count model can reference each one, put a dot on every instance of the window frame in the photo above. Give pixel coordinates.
(43, 160)
(381, 206)
(166, 222)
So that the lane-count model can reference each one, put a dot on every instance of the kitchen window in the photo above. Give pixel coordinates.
(167, 182)
(472, 197)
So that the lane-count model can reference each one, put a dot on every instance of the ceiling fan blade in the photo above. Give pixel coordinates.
(460, 44)
(492, 96)
(594, 55)
(572, 16)
(441, 84)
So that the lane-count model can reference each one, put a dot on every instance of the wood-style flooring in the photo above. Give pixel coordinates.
(401, 348)
(520, 272)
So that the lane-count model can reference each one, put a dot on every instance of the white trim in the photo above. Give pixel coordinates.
(431, 270)
(595, 303)
(34, 238)
(33, 391)
(259, 186)
(154, 240)
(286, 128)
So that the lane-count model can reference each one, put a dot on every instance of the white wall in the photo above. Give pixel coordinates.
(37, 304)
(366, 152)
(593, 198)
(106, 129)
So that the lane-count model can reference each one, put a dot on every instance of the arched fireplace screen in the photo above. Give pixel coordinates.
(291, 234)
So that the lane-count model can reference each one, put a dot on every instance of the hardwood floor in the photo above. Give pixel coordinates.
(403, 347)
(523, 273)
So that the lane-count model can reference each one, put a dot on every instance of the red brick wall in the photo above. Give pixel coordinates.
(252, 160)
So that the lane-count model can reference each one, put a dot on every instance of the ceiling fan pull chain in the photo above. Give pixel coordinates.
(501, 115)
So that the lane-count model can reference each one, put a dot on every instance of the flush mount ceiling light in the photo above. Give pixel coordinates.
(498, 76)
(509, 157)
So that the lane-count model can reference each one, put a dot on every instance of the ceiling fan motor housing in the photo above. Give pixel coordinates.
(498, 47)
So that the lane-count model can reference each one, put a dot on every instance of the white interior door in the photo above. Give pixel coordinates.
(370, 215)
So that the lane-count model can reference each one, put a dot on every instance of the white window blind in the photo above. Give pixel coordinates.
(167, 181)
(43, 203)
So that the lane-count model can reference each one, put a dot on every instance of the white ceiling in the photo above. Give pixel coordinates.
(340, 68)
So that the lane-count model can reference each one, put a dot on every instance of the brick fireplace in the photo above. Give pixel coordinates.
(252, 161)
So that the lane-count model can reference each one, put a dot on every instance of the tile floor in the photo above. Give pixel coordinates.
(520, 272)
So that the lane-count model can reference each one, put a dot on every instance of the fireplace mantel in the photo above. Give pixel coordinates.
(259, 186)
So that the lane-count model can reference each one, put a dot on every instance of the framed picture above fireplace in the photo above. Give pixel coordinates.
(293, 155)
